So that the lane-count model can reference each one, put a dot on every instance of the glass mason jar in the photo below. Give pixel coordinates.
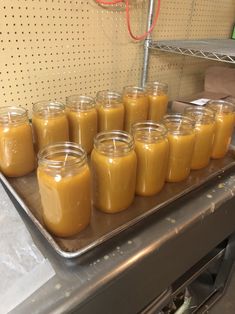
(224, 118)
(158, 100)
(136, 105)
(113, 162)
(82, 117)
(205, 131)
(65, 188)
(152, 148)
(17, 156)
(110, 110)
(181, 137)
(50, 124)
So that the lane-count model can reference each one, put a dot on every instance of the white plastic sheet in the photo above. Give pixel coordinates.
(23, 269)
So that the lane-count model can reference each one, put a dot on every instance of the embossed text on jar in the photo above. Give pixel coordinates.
(65, 188)
(224, 118)
(136, 105)
(113, 163)
(82, 117)
(50, 124)
(204, 131)
(152, 148)
(181, 137)
(110, 110)
(158, 100)
(17, 156)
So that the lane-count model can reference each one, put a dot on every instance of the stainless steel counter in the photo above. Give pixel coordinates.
(129, 271)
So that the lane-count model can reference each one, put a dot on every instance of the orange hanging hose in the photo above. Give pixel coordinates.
(140, 37)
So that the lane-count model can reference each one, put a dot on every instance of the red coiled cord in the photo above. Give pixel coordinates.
(140, 37)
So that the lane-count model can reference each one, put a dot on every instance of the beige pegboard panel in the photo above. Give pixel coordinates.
(195, 19)
(174, 20)
(192, 76)
(212, 18)
(54, 48)
(165, 67)
(191, 19)
(184, 75)
(174, 23)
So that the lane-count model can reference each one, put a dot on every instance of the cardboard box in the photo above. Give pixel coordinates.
(220, 79)
(219, 84)
(196, 99)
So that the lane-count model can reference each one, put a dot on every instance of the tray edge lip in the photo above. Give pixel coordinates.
(113, 233)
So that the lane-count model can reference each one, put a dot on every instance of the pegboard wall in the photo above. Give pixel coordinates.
(54, 48)
(188, 19)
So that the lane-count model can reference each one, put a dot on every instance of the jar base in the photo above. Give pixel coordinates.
(66, 234)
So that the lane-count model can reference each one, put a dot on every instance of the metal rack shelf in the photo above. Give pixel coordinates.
(213, 49)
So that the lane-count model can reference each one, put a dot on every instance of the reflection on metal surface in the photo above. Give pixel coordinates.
(105, 226)
(218, 50)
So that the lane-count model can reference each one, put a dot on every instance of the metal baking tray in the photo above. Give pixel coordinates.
(105, 226)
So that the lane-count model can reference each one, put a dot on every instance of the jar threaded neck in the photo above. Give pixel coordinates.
(156, 87)
(13, 115)
(200, 114)
(134, 91)
(114, 143)
(220, 106)
(61, 155)
(178, 124)
(148, 131)
(80, 102)
(47, 109)
(108, 98)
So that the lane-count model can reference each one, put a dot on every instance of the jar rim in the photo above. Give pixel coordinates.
(178, 116)
(180, 121)
(13, 114)
(156, 84)
(80, 102)
(107, 92)
(221, 105)
(149, 125)
(108, 98)
(148, 131)
(43, 108)
(105, 142)
(199, 114)
(59, 148)
(134, 89)
(154, 87)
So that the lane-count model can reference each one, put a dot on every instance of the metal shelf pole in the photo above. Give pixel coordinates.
(147, 44)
